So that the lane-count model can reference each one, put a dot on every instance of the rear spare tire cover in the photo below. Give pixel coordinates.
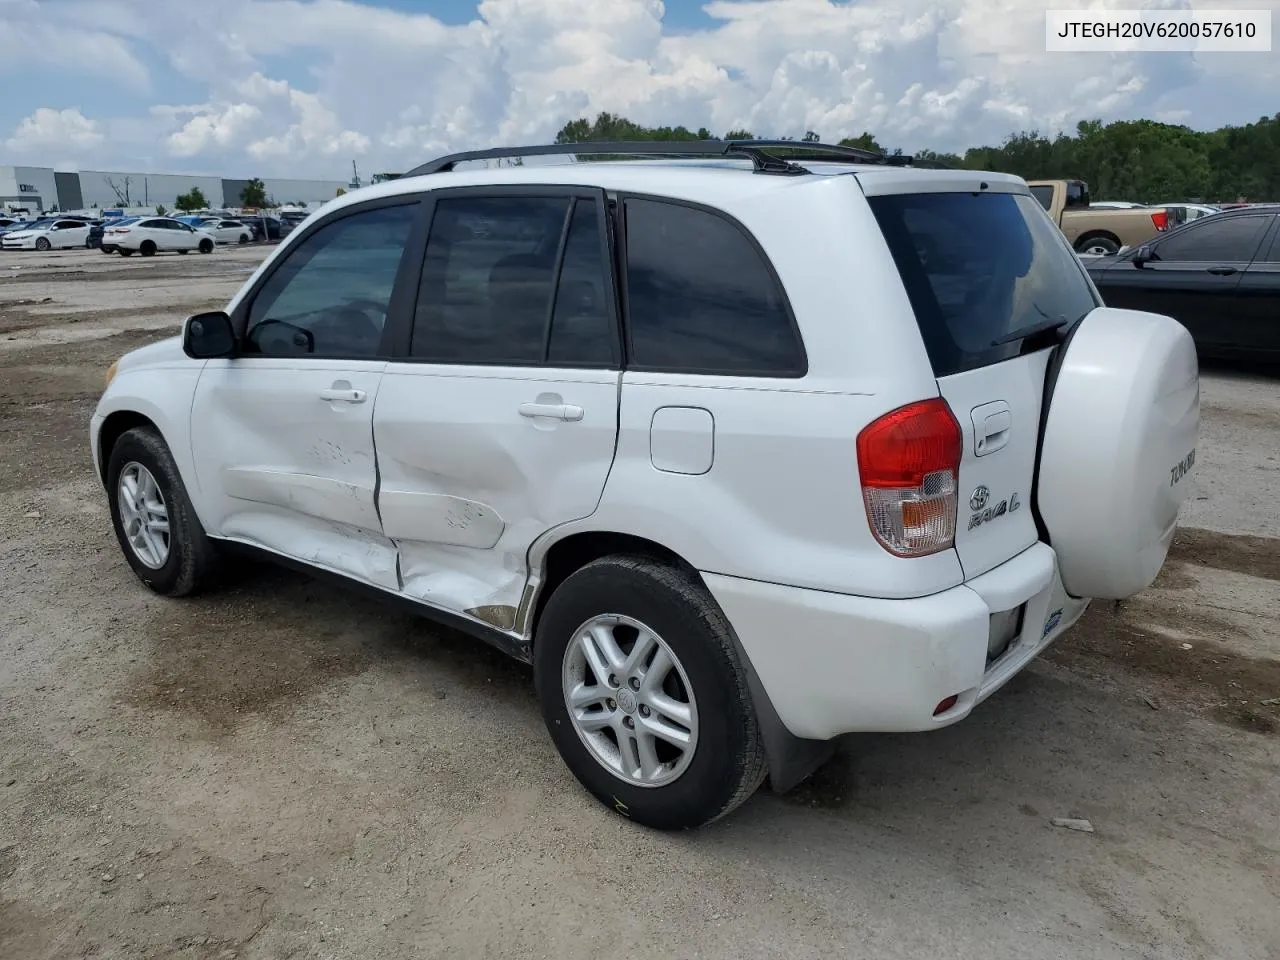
(1118, 450)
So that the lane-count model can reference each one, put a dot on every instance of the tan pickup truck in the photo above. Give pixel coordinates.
(1094, 230)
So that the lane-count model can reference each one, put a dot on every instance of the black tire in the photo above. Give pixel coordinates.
(184, 252)
(147, 248)
(206, 246)
(191, 565)
(106, 249)
(125, 253)
(243, 238)
(1100, 244)
(43, 244)
(728, 763)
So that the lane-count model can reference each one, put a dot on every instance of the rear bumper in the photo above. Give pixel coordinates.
(833, 663)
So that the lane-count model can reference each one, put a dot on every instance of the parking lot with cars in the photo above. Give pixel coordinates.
(286, 769)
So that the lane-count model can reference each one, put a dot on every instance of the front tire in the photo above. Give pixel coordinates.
(244, 238)
(644, 696)
(43, 244)
(155, 524)
(206, 246)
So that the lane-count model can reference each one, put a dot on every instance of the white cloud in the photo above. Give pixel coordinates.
(65, 131)
(219, 126)
(301, 88)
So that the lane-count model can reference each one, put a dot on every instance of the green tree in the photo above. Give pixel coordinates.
(192, 200)
(254, 194)
(863, 141)
(161, 209)
(739, 135)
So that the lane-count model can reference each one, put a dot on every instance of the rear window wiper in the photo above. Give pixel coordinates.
(1033, 331)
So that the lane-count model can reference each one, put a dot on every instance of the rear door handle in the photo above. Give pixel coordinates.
(553, 411)
(992, 427)
(336, 395)
(1223, 271)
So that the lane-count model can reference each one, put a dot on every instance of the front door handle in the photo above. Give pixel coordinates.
(338, 395)
(553, 411)
(1223, 271)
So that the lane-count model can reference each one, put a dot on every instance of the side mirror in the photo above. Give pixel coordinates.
(279, 338)
(207, 336)
(1144, 255)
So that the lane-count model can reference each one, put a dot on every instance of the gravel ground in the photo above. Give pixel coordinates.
(285, 770)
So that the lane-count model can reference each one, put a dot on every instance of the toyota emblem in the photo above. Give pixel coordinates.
(979, 499)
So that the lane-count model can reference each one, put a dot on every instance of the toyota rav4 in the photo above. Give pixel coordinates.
(742, 449)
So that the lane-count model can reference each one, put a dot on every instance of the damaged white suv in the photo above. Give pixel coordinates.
(742, 449)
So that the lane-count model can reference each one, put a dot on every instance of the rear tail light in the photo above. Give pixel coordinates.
(1161, 219)
(120, 230)
(909, 464)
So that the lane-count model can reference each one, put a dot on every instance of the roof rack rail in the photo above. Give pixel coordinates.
(761, 153)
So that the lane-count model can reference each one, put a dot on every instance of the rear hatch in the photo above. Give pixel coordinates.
(994, 286)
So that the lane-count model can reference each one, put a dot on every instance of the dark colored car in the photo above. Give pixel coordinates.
(264, 228)
(1218, 276)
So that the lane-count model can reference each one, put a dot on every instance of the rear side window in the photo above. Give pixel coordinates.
(702, 298)
(978, 266)
(1044, 195)
(503, 283)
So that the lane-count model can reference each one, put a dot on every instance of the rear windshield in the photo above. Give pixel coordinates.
(978, 266)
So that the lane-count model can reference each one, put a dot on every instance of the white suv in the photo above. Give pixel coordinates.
(741, 453)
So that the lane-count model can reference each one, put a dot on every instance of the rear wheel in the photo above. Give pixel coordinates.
(147, 248)
(1099, 245)
(43, 244)
(644, 696)
(154, 521)
(244, 238)
(206, 246)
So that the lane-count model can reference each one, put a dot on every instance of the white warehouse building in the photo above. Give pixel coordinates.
(39, 189)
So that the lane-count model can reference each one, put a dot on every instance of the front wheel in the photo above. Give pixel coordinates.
(43, 244)
(154, 521)
(206, 246)
(644, 696)
(244, 238)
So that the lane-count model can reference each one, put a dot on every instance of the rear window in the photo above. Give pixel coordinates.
(978, 266)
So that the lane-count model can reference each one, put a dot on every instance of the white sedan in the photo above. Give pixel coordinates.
(227, 231)
(155, 235)
(48, 235)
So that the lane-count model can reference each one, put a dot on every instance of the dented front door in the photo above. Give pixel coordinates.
(284, 455)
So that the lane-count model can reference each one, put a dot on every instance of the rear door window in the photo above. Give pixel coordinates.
(978, 266)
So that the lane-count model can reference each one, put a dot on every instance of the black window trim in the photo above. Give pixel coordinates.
(631, 366)
(401, 340)
(395, 305)
(1192, 225)
(1270, 244)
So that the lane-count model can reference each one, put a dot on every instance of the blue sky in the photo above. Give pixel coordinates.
(303, 87)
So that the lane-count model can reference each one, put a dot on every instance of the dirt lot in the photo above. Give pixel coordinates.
(284, 770)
